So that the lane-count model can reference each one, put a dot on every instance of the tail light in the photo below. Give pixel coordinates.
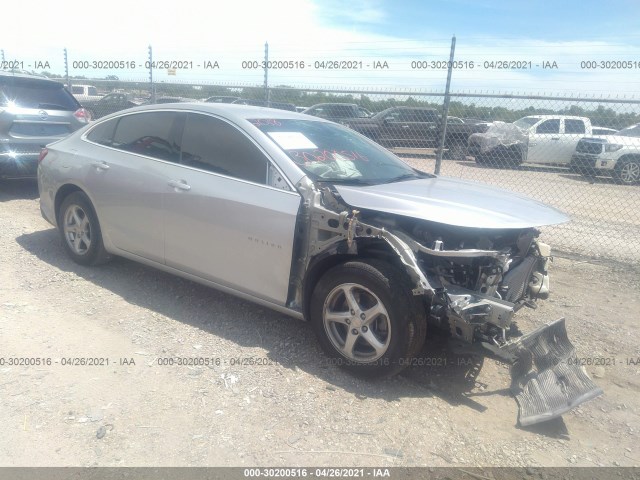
(83, 115)
(43, 153)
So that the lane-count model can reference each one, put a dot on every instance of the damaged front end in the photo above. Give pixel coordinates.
(473, 280)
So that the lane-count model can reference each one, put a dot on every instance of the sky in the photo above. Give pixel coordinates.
(394, 35)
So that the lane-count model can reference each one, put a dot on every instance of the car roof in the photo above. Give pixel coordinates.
(5, 74)
(570, 117)
(235, 112)
(334, 103)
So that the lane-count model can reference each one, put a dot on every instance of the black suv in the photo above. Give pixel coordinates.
(400, 126)
(34, 111)
(337, 111)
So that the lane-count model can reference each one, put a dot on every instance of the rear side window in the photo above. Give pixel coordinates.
(574, 126)
(213, 145)
(28, 93)
(103, 133)
(150, 134)
(549, 126)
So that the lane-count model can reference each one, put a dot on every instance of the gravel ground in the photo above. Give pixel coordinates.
(274, 399)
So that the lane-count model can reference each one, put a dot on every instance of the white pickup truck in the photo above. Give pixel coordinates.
(542, 139)
(85, 93)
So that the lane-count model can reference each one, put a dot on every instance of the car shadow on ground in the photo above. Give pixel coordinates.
(498, 164)
(436, 372)
(590, 180)
(26, 189)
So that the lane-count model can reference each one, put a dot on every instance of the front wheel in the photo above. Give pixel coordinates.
(80, 231)
(627, 171)
(367, 319)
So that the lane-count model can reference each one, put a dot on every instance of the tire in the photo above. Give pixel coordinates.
(481, 159)
(456, 152)
(80, 230)
(378, 345)
(509, 157)
(627, 171)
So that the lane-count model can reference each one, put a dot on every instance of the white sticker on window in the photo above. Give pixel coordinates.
(292, 140)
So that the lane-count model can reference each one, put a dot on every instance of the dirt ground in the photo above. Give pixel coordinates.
(274, 399)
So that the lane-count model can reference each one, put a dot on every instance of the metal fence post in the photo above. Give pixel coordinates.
(66, 69)
(267, 93)
(152, 90)
(445, 108)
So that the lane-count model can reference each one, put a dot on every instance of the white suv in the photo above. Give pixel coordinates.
(617, 155)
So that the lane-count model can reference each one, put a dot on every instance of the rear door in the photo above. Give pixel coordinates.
(573, 129)
(127, 163)
(544, 142)
(224, 222)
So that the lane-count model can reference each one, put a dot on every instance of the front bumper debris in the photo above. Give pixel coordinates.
(545, 378)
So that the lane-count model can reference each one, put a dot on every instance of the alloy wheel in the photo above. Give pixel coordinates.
(357, 323)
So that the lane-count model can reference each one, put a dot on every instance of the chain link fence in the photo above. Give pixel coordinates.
(580, 155)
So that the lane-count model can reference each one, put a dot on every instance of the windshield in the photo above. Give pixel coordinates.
(632, 131)
(329, 152)
(526, 122)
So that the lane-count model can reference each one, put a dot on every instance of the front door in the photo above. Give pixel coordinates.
(223, 221)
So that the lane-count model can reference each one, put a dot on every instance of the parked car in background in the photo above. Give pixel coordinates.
(161, 100)
(85, 93)
(541, 139)
(306, 217)
(337, 111)
(598, 131)
(34, 111)
(415, 127)
(617, 155)
(399, 126)
(261, 103)
(111, 103)
(457, 136)
(221, 99)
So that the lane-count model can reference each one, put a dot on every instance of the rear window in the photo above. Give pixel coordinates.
(28, 93)
(574, 126)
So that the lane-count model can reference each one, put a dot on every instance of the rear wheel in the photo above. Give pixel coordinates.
(481, 159)
(367, 319)
(627, 171)
(456, 152)
(80, 231)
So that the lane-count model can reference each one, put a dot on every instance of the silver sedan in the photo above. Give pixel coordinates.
(314, 220)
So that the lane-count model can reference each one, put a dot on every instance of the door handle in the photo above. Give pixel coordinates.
(101, 165)
(555, 138)
(180, 185)
(405, 126)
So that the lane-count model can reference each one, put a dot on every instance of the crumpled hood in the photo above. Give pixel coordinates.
(453, 202)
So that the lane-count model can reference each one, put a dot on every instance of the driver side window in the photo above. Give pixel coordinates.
(213, 145)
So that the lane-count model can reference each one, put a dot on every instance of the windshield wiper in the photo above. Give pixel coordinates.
(346, 181)
(405, 176)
